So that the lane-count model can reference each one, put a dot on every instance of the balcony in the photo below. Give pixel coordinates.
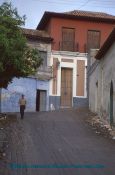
(68, 46)
(74, 47)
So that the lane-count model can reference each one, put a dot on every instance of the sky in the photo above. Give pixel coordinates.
(34, 9)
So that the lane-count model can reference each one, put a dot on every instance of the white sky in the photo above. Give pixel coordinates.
(34, 9)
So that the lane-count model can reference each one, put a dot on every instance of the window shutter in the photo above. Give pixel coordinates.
(68, 39)
(93, 40)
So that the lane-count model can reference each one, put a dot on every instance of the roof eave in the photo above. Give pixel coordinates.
(47, 15)
(34, 37)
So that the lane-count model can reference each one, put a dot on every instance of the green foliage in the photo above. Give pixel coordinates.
(16, 58)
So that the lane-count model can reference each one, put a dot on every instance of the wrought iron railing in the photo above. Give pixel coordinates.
(68, 46)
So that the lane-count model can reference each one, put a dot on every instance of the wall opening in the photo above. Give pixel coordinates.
(96, 97)
(111, 103)
(41, 99)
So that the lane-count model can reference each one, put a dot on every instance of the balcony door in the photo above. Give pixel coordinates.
(68, 39)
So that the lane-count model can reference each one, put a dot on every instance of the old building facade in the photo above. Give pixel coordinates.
(74, 34)
(64, 41)
(35, 88)
(102, 81)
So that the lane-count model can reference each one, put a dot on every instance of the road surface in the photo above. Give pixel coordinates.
(58, 143)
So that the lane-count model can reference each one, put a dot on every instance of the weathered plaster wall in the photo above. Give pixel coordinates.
(108, 67)
(26, 86)
(42, 47)
(99, 94)
(93, 90)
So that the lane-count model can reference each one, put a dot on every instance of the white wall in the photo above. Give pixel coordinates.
(72, 65)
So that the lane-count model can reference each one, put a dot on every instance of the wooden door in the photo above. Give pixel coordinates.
(66, 87)
(80, 88)
(68, 39)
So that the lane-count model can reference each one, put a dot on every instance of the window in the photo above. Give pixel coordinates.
(68, 39)
(43, 55)
(93, 39)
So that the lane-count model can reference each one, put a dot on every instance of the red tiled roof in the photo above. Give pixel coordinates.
(107, 44)
(76, 15)
(90, 14)
(36, 34)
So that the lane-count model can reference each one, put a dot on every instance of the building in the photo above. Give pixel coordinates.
(35, 88)
(102, 81)
(74, 34)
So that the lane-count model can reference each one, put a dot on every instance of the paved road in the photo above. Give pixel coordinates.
(61, 138)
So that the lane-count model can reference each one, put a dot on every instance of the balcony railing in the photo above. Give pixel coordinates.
(68, 46)
(74, 47)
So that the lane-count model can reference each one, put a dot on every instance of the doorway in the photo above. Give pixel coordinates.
(96, 97)
(111, 103)
(41, 99)
(66, 87)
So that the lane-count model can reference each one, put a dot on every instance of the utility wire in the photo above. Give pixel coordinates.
(79, 2)
(59, 2)
(92, 3)
(84, 4)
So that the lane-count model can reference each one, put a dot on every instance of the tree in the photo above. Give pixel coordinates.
(16, 58)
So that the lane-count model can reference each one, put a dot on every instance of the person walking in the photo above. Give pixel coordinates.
(22, 103)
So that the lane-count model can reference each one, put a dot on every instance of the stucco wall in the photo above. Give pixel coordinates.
(77, 101)
(26, 86)
(42, 47)
(103, 74)
(81, 28)
(92, 89)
